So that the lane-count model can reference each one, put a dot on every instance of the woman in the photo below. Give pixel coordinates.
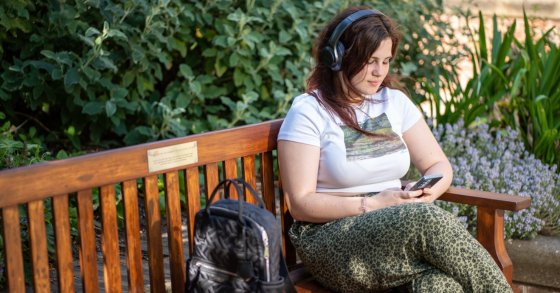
(342, 149)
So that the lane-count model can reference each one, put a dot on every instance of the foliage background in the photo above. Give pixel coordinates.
(95, 74)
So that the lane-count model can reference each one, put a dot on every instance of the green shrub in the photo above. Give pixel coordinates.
(101, 72)
(514, 84)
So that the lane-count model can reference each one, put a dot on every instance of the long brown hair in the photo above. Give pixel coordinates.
(361, 39)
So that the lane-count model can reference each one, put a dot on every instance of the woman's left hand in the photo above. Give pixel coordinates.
(426, 192)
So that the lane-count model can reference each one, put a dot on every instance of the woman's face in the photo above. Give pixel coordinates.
(368, 80)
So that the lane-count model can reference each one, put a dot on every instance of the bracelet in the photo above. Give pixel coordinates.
(364, 204)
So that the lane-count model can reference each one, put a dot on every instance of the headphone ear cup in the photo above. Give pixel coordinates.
(327, 56)
(337, 66)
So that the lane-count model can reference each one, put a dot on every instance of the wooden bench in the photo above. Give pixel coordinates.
(76, 177)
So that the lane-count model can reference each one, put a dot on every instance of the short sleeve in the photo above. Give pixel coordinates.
(303, 123)
(408, 110)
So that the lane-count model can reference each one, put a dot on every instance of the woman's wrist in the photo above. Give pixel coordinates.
(371, 204)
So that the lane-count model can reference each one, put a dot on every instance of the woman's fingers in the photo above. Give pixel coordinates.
(409, 194)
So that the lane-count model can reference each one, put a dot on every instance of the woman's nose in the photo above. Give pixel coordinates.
(376, 70)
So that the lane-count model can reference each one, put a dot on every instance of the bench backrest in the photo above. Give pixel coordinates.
(76, 177)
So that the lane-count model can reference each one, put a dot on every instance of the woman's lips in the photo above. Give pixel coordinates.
(374, 83)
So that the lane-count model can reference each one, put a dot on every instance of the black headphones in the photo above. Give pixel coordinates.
(331, 55)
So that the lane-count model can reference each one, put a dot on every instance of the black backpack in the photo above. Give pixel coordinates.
(237, 247)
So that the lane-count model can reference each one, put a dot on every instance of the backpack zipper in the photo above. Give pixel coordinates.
(215, 269)
(264, 236)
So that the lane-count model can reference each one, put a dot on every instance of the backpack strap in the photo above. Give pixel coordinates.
(288, 284)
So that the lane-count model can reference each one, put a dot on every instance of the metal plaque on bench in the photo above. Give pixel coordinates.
(172, 156)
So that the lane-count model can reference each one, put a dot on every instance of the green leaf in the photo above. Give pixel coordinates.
(116, 34)
(2, 115)
(181, 47)
(250, 97)
(220, 68)
(48, 54)
(233, 59)
(35, 38)
(210, 52)
(62, 154)
(116, 121)
(38, 90)
(204, 79)
(92, 108)
(110, 108)
(3, 95)
(195, 87)
(212, 91)
(10, 145)
(482, 38)
(144, 130)
(228, 102)
(182, 101)
(238, 77)
(105, 27)
(281, 51)
(220, 41)
(72, 77)
(539, 98)
(284, 36)
(240, 106)
(87, 40)
(56, 74)
(119, 94)
(92, 32)
(236, 16)
(128, 78)
(186, 71)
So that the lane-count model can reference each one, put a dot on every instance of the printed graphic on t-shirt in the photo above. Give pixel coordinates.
(360, 146)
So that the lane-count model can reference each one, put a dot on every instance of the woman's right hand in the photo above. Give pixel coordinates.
(394, 196)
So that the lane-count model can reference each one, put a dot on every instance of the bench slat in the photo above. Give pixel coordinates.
(12, 249)
(174, 234)
(211, 180)
(248, 174)
(110, 239)
(88, 257)
(153, 224)
(192, 195)
(132, 238)
(286, 221)
(230, 172)
(38, 245)
(267, 184)
(63, 242)
(25, 184)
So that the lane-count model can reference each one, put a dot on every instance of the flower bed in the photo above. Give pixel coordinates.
(498, 162)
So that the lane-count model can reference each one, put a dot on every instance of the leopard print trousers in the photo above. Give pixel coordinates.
(415, 247)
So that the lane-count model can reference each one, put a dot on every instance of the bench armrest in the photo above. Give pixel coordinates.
(484, 199)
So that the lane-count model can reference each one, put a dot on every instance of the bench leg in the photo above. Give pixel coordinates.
(490, 234)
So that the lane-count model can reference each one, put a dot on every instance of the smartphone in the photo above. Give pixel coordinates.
(426, 182)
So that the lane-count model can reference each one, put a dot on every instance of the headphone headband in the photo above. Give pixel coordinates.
(343, 25)
(331, 55)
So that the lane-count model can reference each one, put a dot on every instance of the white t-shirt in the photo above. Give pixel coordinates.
(350, 161)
